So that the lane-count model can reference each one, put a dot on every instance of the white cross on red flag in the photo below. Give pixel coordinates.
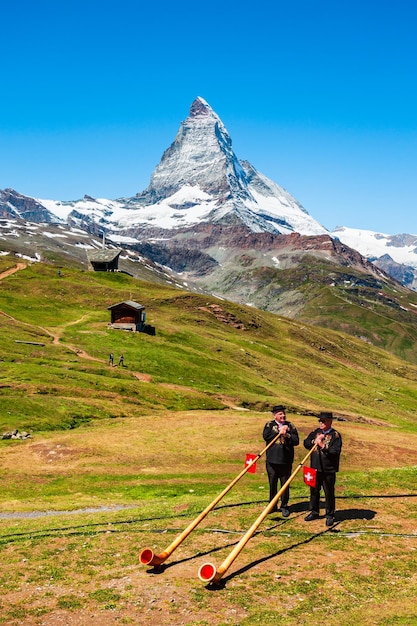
(309, 475)
(249, 459)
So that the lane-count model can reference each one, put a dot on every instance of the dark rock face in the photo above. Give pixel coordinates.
(16, 206)
(178, 258)
(403, 273)
(201, 155)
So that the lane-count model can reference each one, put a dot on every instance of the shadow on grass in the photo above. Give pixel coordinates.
(341, 514)
(346, 514)
(222, 582)
(379, 497)
(159, 569)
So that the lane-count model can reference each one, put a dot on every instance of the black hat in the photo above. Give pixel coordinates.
(325, 415)
(277, 408)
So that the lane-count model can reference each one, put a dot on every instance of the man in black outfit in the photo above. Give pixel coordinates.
(280, 456)
(325, 460)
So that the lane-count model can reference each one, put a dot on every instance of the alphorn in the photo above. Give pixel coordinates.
(208, 572)
(148, 557)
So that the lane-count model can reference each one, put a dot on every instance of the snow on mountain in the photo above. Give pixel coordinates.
(373, 245)
(275, 204)
(98, 208)
(116, 216)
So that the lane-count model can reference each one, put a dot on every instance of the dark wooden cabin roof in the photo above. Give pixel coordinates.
(129, 303)
(103, 256)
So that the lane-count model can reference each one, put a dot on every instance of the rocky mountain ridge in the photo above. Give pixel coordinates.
(198, 181)
(14, 205)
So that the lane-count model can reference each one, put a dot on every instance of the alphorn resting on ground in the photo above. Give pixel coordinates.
(148, 557)
(208, 572)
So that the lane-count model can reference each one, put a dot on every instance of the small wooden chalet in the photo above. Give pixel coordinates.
(104, 260)
(128, 315)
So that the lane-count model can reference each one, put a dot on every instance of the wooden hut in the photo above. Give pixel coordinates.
(128, 315)
(104, 260)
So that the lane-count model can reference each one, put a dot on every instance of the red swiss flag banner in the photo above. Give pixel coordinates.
(249, 459)
(309, 475)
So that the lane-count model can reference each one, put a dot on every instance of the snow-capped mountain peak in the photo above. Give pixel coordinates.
(199, 179)
(201, 155)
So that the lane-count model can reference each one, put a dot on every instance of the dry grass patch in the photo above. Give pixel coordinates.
(82, 568)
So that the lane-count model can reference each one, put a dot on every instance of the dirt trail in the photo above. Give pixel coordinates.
(56, 335)
(13, 270)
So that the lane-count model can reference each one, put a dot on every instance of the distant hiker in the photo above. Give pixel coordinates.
(280, 456)
(121, 360)
(325, 460)
(111, 359)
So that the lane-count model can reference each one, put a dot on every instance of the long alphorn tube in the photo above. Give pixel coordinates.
(208, 572)
(147, 556)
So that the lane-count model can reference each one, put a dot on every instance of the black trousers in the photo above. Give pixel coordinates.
(281, 472)
(327, 481)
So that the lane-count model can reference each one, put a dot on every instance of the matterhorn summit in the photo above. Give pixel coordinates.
(200, 179)
(200, 156)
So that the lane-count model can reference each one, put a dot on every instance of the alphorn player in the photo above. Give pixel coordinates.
(280, 456)
(325, 460)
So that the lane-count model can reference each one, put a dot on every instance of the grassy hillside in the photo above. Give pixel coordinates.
(206, 354)
(196, 348)
(329, 294)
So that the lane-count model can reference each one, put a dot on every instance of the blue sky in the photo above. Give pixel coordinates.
(320, 97)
